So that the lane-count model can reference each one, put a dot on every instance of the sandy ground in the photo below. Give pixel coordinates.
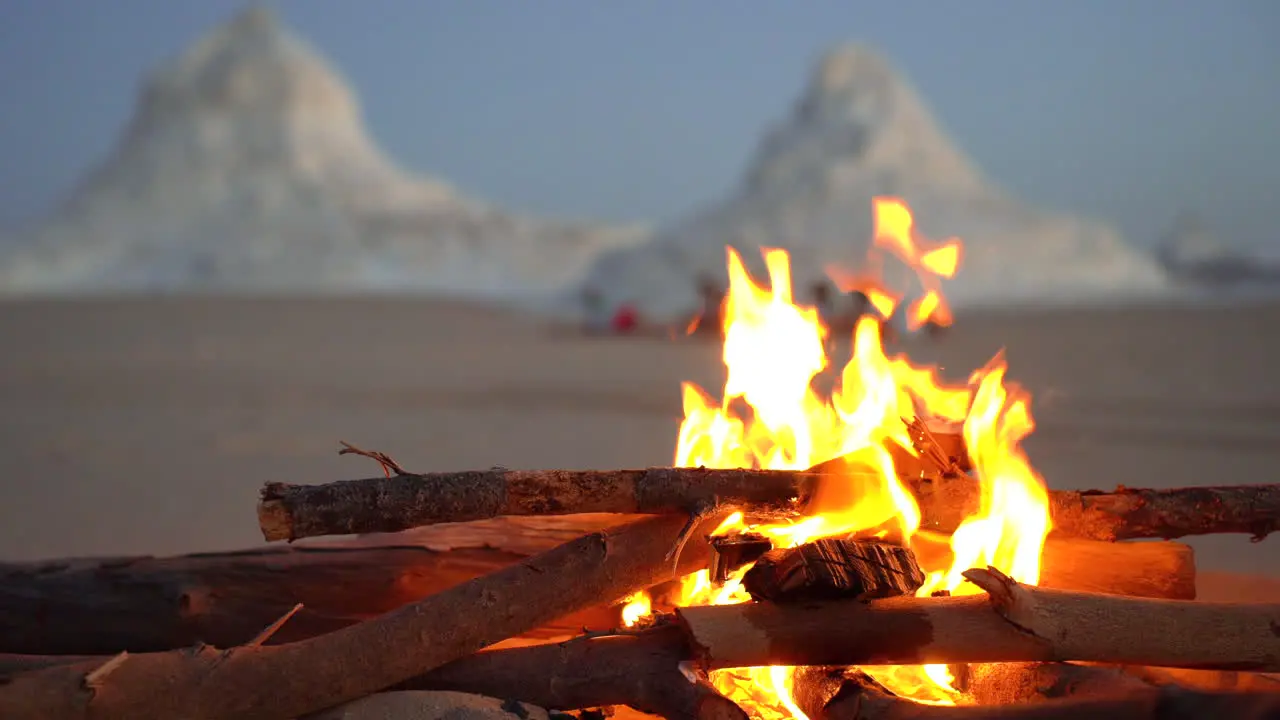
(136, 426)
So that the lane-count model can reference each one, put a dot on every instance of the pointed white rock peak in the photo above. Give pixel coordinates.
(246, 166)
(858, 116)
(860, 130)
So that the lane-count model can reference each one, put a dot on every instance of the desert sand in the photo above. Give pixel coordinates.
(143, 426)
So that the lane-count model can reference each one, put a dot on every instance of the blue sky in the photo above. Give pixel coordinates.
(1129, 110)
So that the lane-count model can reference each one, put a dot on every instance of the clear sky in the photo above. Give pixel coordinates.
(1129, 110)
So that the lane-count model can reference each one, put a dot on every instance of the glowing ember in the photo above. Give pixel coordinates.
(771, 417)
(638, 607)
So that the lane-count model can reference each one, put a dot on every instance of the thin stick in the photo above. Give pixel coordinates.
(388, 465)
(271, 629)
(94, 678)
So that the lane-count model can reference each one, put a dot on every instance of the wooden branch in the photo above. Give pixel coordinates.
(855, 701)
(1158, 569)
(831, 568)
(288, 512)
(1007, 683)
(285, 681)
(102, 606)
(819, 690)
(1212, 680)
(145, 604)
(1128, 513)
(733, 551)
(1029, 624)
(640, 670)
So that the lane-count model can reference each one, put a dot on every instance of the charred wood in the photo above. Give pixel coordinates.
(731, 552)
(831, 568)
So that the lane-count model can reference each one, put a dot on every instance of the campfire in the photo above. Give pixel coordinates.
(772, 418)
(862, 541)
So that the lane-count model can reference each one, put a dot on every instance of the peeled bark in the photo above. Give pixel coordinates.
(285, 681)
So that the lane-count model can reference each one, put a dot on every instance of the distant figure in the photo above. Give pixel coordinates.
(861, 304)
(821, 293)
(710, 320)
(625, 319)
(595, 318)
(888, 332)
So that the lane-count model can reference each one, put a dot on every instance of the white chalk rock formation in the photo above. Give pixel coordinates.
(860, 130)
(246, 166)
(1189, 242)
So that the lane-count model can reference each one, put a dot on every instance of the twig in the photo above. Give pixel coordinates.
(701, 512)
(388, 465)
(95, 677)
(924, 442)
(271, 629)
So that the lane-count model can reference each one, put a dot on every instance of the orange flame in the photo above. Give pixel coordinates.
(770, 416)
(895, 233)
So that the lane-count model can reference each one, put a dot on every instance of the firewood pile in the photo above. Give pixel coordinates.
(491, 579)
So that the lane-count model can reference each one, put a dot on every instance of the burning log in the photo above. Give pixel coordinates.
(1160, 569)
(88, 607)
(640, 670)
(1122, 514)
(1008, 683)
(832, 692)
(832, 568)
(296, 678)
(635, 670)
(1029, 624)
(289, 512)
(858, 700)
(1214, 680)
(730, 552)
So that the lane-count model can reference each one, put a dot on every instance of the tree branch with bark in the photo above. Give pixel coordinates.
(290, 512)
(285, 681)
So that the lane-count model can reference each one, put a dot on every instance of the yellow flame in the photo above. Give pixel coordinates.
(770, 416)
(637, 607)
(895, 234)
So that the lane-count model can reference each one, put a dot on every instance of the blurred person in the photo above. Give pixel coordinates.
(710, 317)
(625, 319)
(595, 317)
(821, 293)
